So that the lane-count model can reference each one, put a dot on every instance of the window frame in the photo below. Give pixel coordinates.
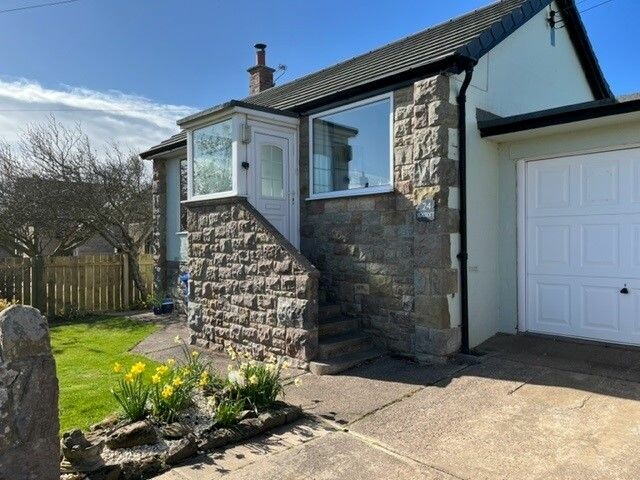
(354, 192)
(234, 162)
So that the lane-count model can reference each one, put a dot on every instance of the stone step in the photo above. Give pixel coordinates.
(343, 344)
(336, 326)
(328, 310)
(344, 362)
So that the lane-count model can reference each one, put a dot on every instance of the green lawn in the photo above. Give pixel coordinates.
(85, 352)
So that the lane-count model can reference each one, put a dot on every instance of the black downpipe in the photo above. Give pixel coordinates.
(462, 181)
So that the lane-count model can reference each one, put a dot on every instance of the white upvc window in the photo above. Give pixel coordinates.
(351, 150)
(212, 165)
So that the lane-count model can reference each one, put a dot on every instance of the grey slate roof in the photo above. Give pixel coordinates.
(470, 36)
(444, 46)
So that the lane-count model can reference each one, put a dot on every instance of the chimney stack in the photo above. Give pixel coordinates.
(260, 76)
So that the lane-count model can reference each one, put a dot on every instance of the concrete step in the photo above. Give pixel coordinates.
(344, 362)
(328, 310)
(336, 326)
(343, 344)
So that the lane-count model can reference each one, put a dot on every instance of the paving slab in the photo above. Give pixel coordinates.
(222, 462)
(593, 358)
(335, 456)
(357, 392)
(507, 420)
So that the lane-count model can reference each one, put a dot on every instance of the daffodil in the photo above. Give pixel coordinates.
(232, 353)
(138, 368)
(162, 370)
(177, 382)
(286, 365)
(236, 377)
(253, 379)
(272, 359)
(117, 367)
(171, 362)
(157, 378)
(204, 379)
(195, 354)
(177, 339)
(129, 377)
(167, 391)
(297, 381)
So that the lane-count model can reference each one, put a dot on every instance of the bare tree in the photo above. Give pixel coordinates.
(107, 193)
(117, 204)
(36, 210)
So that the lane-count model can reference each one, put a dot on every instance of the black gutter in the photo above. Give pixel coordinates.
(463, 256)
(557, 116)
(163, 148)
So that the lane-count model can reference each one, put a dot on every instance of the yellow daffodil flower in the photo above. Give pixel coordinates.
(195, 354)
(138, 368)
(157, 378)
(117, 367)
(167, 391)
(177, 339)
(162, 370)
(129, 377)
(204, 379)
(177, 382)
(253, 379)
(171, 362)
(232, 353)
(297, 381)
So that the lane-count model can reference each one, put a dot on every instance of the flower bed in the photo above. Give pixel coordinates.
(175, 412)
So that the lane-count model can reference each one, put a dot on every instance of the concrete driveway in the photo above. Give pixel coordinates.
(532, 408)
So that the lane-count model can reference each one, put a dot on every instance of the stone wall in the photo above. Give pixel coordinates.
(29, 426)
(380, 263)
(250, 288)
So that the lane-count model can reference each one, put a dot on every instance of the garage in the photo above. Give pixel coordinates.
(582, 246)
(567, 222)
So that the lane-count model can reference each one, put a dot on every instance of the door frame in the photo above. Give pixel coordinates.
(258, 127)
(521, 220)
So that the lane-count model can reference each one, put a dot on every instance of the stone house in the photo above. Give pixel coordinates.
(364, 207)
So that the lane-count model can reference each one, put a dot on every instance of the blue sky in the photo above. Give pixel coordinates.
(170, 56)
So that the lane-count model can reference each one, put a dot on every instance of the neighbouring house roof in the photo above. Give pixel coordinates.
(492, 125)
(449, 46)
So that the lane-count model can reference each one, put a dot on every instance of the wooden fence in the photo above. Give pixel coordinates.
(91, 283)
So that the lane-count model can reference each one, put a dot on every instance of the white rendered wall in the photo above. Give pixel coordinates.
(524, 73)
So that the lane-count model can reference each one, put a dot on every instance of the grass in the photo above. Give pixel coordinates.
(85, 352)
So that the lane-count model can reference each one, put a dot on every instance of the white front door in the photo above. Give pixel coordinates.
(582, 246)
(273, 186)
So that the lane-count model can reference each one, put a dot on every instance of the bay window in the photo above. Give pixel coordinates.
(212, 159)
(351, 149)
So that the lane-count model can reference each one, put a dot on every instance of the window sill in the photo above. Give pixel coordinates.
(356, 192)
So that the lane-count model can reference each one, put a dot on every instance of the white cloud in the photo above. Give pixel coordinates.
(130, 120)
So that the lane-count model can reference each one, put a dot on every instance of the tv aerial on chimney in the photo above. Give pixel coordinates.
(282, 68)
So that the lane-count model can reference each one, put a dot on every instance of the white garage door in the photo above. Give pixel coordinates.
(582, 246)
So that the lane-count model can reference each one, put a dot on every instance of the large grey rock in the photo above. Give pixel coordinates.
(132, 435)
(181, 450)
(79, 454)
(29, 443)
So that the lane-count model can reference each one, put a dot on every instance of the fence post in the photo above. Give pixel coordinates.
(38, 285)
(125, 281)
